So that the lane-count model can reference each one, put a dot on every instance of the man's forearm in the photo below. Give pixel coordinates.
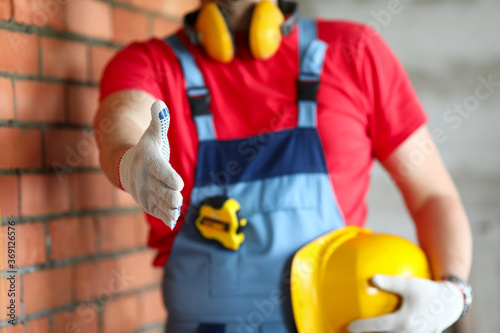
(120, 122)
(112, 149)
(434, 203)
(444, 234)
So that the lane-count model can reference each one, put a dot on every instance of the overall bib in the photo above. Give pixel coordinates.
(285, 194)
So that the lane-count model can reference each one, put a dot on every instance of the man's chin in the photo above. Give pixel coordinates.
(230, 3)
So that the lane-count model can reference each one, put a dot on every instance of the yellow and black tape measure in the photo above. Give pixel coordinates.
(219, 219)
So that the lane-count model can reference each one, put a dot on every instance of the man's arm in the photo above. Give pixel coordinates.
(444, 235)
(120, 122)
(434, 203)
(135, 152)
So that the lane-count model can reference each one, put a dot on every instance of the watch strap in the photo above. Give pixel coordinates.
(465, 288)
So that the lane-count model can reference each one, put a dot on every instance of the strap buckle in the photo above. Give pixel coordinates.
(307, 87)
(199, 101)
(211, 328)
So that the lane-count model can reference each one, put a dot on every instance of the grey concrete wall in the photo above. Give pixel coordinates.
(447, 47)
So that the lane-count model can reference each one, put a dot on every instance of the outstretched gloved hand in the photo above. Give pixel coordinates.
(427, 307)
(145, 171)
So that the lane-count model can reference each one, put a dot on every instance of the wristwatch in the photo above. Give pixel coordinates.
(465, 288)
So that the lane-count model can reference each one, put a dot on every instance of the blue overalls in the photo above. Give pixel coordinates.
(285, 194)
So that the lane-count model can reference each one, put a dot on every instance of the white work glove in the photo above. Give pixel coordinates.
(427, 307)
(145, 171)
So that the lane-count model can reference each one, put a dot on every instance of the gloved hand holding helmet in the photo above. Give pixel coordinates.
(337, 286)
(145, 171)
(427, 306)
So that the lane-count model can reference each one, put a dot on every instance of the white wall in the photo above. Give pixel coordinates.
(446, 46)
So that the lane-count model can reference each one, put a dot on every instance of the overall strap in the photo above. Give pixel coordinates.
(311, 58)
(197, 92)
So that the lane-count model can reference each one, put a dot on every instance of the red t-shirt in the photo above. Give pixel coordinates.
(366, 105)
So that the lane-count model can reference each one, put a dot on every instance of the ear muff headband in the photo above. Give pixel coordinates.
(209, 28)
(291, 11)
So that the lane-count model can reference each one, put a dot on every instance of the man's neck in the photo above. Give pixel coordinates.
(240, 13)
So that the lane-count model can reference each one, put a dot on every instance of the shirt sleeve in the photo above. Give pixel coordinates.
(396, 111)
(131, 68)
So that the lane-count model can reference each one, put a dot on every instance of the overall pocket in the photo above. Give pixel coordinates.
(284, 214)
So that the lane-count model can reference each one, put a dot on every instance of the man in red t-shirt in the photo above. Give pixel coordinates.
(365, 108)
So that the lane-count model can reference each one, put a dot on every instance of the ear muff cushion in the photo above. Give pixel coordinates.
(215, 34)
(265, 30)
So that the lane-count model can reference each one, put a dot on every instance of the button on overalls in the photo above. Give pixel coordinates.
(285, 194)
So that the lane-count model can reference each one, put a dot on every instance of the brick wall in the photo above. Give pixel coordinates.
(81, 260)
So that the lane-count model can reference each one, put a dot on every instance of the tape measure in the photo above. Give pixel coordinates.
(219, 219)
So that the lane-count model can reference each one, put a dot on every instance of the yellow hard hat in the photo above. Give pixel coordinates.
(330, 277)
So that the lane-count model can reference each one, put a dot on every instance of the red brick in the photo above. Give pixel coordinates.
(64, 59)
(91, 191)
(152, 309)
(138, 267)
(21, 148)
(40, 325)
(40, 12)
(117, 232)
(6, 99)
(40, 101)
(44, 290)
(179, 8)
(5, 247)
(129, 25)
(105, 278)
(16, 299)
(163, 28)
(87, 316)
(89, 18)
(72, 237)
(121, 315)
(83, 104)
(123, 199)
(30, 244)
(73, 148)
(88, 279)
(5, 9)
(141, 229)
(100, 280)
(9, 196)
(152, 5)
(100, 56)
(44, 194)
(84, 319)
(19, 52)
(18, 328)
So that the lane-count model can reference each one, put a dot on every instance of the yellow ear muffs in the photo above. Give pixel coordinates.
(265, 30)
(214, 33)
